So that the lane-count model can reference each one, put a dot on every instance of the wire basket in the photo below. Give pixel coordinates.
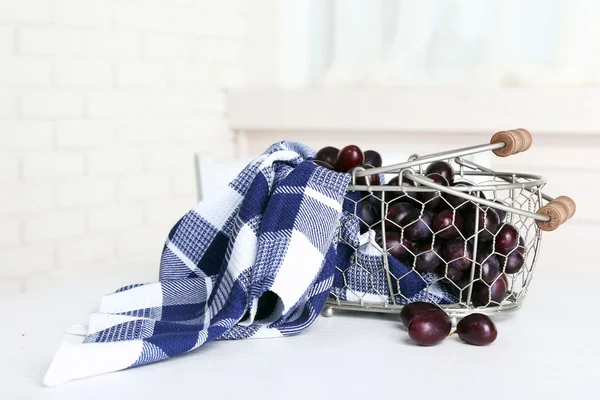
(468, 245)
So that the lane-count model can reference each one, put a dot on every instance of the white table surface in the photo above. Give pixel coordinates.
(548, 350)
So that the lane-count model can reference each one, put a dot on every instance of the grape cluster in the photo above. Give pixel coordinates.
(435, 232)
(348, 158)
(429, 325)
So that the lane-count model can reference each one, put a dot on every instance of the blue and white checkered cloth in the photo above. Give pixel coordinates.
(361, 275)
(258, 260)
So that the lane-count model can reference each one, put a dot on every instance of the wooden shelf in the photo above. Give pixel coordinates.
(541, 111)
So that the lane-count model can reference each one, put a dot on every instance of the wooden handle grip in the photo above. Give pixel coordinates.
(559, 210)
(516, 141)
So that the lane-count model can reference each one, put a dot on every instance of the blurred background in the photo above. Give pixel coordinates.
(105, 104)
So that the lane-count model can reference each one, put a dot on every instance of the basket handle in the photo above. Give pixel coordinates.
(559, 210)
(516, 141)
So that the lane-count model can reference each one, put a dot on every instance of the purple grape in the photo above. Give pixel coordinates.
(457, 255)
(411, 310)
(452, 273)
(507, 239)
(462, 205)
(372, 179)
(433, 200)
(477, 329)
(397, 215)
(328, 154)
(378, 235)
(323, 164)
(369, 216)
(501, 213)
(496, 292)
(514, 262)
(373, 197)
(489, 266)
(398, 247)
(374, 158)
(463, 286)
(429, 328)
(427, 256)
(349, 157)
(442, 168)
(420, 228)
(521, 249)
(398, 196)
(455, 201)
(488, 224)
(444, 226)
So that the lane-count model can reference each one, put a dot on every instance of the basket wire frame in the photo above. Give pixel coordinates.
(517, 195)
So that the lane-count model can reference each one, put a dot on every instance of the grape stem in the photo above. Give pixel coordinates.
(452, 333)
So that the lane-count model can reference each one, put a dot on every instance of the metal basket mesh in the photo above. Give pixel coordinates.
(382, 275)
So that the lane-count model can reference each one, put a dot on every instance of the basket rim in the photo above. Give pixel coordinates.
(533, 182)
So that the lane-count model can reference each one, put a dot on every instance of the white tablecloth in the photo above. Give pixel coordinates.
(549, 349)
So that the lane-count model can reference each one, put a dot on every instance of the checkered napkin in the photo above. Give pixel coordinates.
(255, 261)
(258, 260)
(361, 275)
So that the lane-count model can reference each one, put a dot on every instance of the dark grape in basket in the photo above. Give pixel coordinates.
(349, 157)
(378, 235)
(430, 327)
(452, 273)
(461, 286)
(411, 310)
(328, 154)
(371, 179)
(457, 253)
(447, 224)
(417, 226)
(398, 247)
(395, 181)
(501, 213)
(496, 292)
(489, 266)
(369, 216)
(433, 200)
(458, 203)
(507, 239)
(373, 158)
(373, 197)
(442, 168)
(477, 329)
(521, 249)
(514, 262)
(399, 196)
(397, 214)
(488, 223)
(428, 256)
(323, 164)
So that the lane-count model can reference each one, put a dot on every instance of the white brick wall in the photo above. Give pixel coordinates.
(84, 13)
(114, 43)
(102, 106)
(42, 166)
(26, 11)
(51, 41)
(77, 73)
(24, 72)
(9, 168)
(52, 103)
(111, 218)
(140, 74)
(145, 186)
(107, 160)
(54, 225)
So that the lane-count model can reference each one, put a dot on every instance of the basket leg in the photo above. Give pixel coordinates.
(327, 312)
